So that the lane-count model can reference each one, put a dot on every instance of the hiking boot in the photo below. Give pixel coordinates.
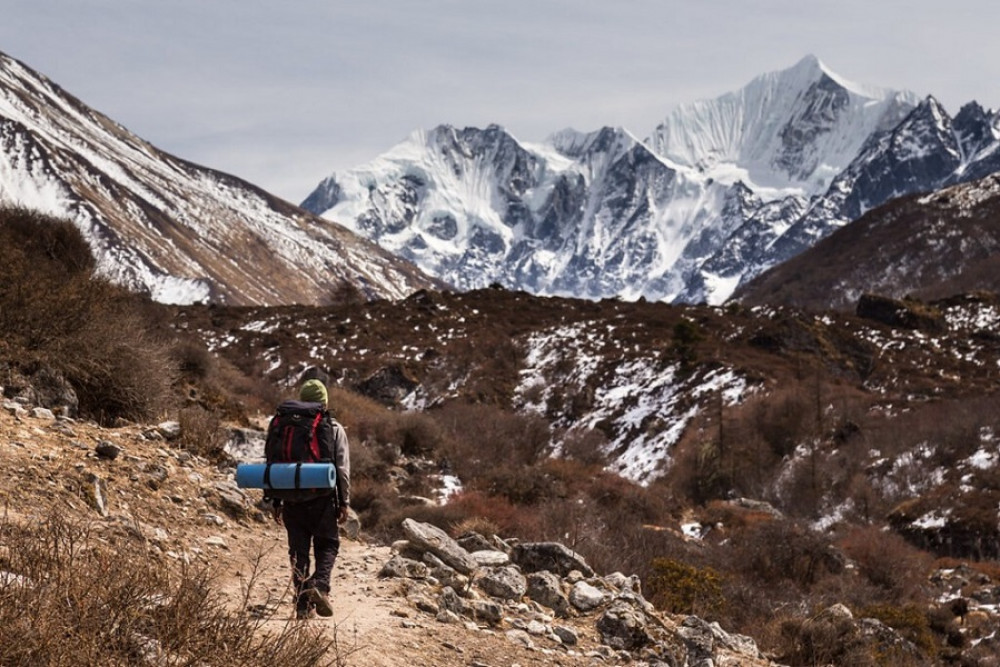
(305, 614)
(323, 607)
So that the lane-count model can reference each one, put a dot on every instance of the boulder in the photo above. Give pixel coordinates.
(704, 639)
(585, 597)
(624, 627)
(490, 558)
(506, 583)
(430, 538)
(551, 556)
(403, 568)
(546, 589)
(473, 541)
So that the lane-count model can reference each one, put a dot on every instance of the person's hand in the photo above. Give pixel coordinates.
(276, 514)
(342, 516)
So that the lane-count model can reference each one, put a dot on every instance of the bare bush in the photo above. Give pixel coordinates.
(53, 308)
(483, 436)
(888, 562)
(781, 552)
(202, 433)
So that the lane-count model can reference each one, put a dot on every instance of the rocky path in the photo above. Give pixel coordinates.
(373, 625)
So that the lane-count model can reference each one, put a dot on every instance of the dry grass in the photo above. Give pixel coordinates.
(70, 597)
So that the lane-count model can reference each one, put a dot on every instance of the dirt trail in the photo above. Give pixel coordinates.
(374, 627)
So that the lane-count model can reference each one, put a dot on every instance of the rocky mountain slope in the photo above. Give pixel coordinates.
(175, 230)
(133, 483)
(928, 247)
(721, 191)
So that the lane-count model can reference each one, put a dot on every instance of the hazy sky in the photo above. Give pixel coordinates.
(283, 93)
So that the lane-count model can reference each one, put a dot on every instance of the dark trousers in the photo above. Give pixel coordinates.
(311, 525)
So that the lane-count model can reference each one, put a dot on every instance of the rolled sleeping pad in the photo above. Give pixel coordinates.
(286, 476)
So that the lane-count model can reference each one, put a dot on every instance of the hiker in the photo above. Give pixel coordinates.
(311, 516)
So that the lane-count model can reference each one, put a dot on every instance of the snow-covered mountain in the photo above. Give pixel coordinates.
(158, 224)
(719, 192)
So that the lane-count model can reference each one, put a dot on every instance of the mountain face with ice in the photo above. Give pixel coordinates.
(719, 192)
(169, 228)
(926, 151)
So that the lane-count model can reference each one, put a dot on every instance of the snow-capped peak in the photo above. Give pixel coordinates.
(786, 132)
(812, 68)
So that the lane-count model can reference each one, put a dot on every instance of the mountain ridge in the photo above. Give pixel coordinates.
(165, 226)
(722, 190)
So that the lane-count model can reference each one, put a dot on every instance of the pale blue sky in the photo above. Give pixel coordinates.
(284, 93)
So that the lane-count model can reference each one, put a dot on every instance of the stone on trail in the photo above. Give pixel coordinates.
(431, 538)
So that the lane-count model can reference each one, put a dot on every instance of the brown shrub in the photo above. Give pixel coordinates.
(824, 642)
(482, 436)
(202, 433)
(680, 588)
(52, 308)
(910, 620)
(508, 518)
(888, 562)
(781, 552)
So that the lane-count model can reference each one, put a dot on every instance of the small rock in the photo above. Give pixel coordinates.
(490, 558)
(216, 541)
(506, 583)
(43, 413)
(170, 430)
(64, 429)
(545, 588)
(403, 568)
(107, 450)
(447, 616)
(585, 597)
(566, 635)
(536, 628)
(521, 638)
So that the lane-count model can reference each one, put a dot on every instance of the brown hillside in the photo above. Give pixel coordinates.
(929, 247)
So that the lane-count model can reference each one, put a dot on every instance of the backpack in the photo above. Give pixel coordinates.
(293, 437)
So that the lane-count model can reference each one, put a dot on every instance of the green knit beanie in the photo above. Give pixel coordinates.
(313, 391)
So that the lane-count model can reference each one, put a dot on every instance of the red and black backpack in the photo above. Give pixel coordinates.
(293, 435)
